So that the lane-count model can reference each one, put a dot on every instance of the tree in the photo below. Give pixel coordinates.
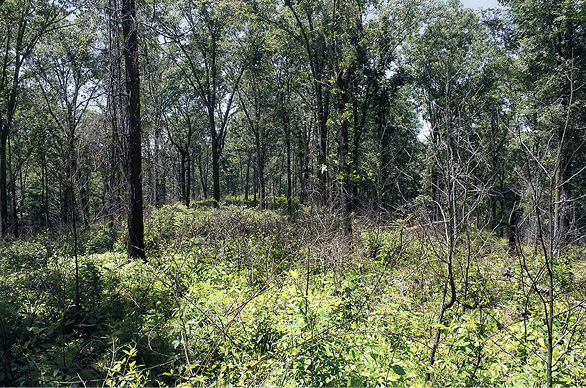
(135, 217)
(182, 122)
(153, 115)
(212, 55)
(23, 23)
(66, 73)
(310, 29)
(393, 120)
(551, 38)
(257, 103)
(451, 58)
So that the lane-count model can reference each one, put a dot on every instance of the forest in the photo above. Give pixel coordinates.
(292, 193)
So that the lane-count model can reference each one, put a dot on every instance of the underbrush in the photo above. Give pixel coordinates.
(244, 297)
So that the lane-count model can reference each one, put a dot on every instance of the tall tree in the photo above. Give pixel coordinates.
(450, 58)
(22, 24)
(66, 72)
(257, 103)
(184, 117)
(135, 218)
(311, 28)
(552, 41)
(552, 54)
(392, 114)
(211, 39)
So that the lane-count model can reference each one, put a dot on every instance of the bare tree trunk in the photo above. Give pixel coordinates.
(135, 222)
(15, 221)
(247, 183)
(115, 105)
(254, 183)
(289, 174)
(44, 213)
(323, 144)
(344, 79)
(183, 178)
(3, 183)
(260, 167)
(84, 198)
(203, 176)
(188, 182)
(563, 192)
(216, 171)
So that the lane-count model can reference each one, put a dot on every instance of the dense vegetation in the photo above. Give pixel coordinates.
(371, 192)
(244, 297)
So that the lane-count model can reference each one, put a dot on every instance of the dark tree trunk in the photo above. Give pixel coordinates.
(215, 153)
(188, 182)
(70, 178)
(160, 189)
(202, 177)
(260, 167)
(343, 152)
(135, 222)
(44, 211)
(384, 141)
(288, 152)
(216, 171)
(322, 171)
(84, 198)
(306, 168)
(254, 183)
(116, 105)
(183, 178)
(563, 192)
(247, 183)
(514, 219)
(15, 221)
(3, 183)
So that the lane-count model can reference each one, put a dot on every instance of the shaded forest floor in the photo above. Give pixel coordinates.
(246, 297)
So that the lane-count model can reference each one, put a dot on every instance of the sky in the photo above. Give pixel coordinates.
(480, 3)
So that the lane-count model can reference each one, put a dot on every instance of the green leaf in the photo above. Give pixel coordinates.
(398, 369)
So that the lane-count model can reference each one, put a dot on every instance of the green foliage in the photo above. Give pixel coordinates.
(238, 296)
(124, 372)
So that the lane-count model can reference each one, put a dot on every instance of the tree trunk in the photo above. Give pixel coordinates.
(216, 171)
(215, 154)
(159, 178)
(322, 152)
(135, 222)
(288, 152)
(343, 152)
(15, 223)
(563, 193)
(260, 168)
(202, 177)
(183, 178)
(116, 107)
(254, 183)
(384, 161)
(84, 198)
(3, 183)
(44, 212)
(306, 170)
(188, 182)
(247, 184)
(70, 178)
